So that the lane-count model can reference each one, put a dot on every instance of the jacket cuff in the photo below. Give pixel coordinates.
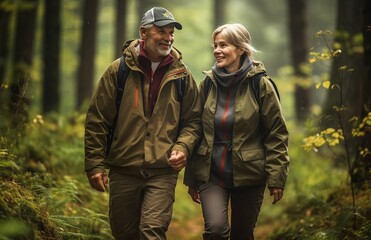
(182, 149)
(95, 171)
(275, 182)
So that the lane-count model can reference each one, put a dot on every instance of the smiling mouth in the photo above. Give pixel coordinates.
(218, 59)
(163, 44)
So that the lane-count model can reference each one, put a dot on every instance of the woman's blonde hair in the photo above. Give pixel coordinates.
(236, 34)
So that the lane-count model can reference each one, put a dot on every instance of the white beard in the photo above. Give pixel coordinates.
(164, 52)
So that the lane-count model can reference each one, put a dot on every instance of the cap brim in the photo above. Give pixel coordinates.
(167, 22)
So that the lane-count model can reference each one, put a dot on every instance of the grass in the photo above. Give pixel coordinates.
(44, 193)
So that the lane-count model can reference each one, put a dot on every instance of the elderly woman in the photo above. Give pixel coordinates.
(244, 146)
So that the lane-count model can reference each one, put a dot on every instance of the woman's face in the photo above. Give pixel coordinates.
(226, 54)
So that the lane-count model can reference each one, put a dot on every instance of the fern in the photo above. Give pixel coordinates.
(87, 225)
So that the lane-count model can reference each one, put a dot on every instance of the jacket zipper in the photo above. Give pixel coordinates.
(136, 97)
(224, 154)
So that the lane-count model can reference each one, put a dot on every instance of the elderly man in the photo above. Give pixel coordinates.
(156, 130)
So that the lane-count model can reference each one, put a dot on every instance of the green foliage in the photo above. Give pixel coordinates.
(12, 228)
(57, 201)
(332, 137)
(336, 139)
(17, 203)
(327, 218)
(43, 185)
(53, 145)
(87, 224)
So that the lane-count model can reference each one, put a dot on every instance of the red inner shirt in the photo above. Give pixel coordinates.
(155, 78)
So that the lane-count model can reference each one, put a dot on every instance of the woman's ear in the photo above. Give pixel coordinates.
(240, 51)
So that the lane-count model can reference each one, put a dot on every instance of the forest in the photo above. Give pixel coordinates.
(53, 53)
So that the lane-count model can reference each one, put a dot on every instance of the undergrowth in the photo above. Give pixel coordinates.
(328, 218)
(44, 193)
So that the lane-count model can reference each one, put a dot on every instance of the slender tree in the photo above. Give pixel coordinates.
(344, 100)
(144, 5)
(4, 34)
(51, 54)
(219, 12)
(299, 49)
(121, 12)
(362, 170)
(87, 51)
(348, 79)
(23, 52)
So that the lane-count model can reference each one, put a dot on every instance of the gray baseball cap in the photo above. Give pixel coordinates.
(160, 17)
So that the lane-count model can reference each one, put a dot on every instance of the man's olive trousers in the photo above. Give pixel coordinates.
(141, 207)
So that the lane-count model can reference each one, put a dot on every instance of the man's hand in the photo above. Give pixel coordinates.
(177, 160)
(195, 195)
(277, 194)
(99, 181)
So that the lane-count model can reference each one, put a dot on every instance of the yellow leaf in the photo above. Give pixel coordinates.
(329, 130)
(319, 142)
(326, 84)
(318, 85)
(333, 142)
(337, 52)
(335, 135)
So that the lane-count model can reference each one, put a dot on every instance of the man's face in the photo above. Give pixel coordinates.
(158, 41)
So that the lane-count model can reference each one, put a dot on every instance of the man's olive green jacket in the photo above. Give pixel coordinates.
(142, 142)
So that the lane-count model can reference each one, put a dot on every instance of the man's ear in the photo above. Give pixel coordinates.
(142, 33)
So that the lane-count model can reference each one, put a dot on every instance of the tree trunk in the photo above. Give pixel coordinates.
(299, 49)
(4, 36)
(51, 50)
(362, 168)
(87, 51)
(121, 12)
(348, 82)
(344, 100)
(144, 5)
(219, 13)
(23, 52)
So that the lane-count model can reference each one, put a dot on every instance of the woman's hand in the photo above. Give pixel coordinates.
(277, 194)
(99, 181)
(195, 195)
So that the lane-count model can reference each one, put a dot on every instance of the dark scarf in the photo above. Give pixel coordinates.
(225, 79)
(221, 167)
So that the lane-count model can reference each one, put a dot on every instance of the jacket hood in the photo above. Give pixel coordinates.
(257, 67)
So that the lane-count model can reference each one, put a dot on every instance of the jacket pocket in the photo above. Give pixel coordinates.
(254, 154)
(202, 151)
(250, 167)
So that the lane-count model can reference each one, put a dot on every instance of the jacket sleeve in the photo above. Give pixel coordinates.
(276, 135)
(99, 118)
(190, 132)
(188, 177)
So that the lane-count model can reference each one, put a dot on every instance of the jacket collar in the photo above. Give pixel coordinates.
(145, 63)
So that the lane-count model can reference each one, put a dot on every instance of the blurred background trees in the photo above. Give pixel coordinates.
(91, 33)
(53, 52)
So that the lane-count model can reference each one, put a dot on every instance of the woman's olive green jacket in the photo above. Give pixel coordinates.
(260, 136)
